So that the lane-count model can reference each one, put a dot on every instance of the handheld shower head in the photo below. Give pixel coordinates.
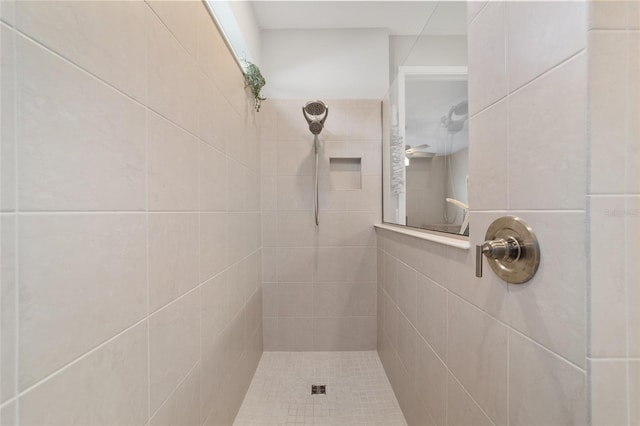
(315, 127)
(315, 108)
(315, 112)
(460, 110)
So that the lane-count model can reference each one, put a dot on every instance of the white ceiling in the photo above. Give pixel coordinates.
(399, 17)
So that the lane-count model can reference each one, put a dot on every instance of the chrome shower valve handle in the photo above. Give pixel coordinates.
(506, 250)
(511, 249)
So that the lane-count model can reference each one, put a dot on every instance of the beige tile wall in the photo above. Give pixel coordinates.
(319, 283)
(480, 351)
(613, 204)
(131, 235)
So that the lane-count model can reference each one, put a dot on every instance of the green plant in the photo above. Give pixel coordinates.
(253, 79)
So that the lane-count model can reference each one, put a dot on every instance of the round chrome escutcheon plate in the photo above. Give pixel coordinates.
(524, 268)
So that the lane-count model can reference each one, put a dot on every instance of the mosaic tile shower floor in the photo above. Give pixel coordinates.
(358, 391)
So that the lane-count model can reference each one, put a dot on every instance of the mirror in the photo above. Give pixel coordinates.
(426, 138)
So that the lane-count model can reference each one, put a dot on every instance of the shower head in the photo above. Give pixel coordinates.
(315, 108)
(315, 127)
(315, 112)
(461, 111)
(461, 108)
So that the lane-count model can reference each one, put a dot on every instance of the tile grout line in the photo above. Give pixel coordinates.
(548, 71)
(446, 354)
(626, 221)
(146, 180)
(16, 135)
(505, 23)
(1, 257)
(147, 217)
(505, 20)
(199, 264)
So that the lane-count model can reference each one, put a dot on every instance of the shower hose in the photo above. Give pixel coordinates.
(315, 191)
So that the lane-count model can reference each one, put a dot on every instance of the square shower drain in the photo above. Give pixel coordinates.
(318, 389)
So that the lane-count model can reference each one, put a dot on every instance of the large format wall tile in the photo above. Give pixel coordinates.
(543, 388)
(174, 345)
(609, 392)
(390, 321)
(7, 115)
(406, 344)
(295, 158)
(547, 150)
(346, 228)
(296, 229)
(431, 321)
(294, 299)
(173, 256)
(213, 179)
(407, 292)
(551, 308)
(477, 356)
(214, 244)
(236, 189)
(295, 193)
(431, 377)
(216, 363)
(634, 391)
(106, 387)
(473, 8)
(295, 264)
(173, 78)
(215, 308)
(183, 406)
(633, 110)
(461, 408)
(488, 293)
(487, 67)
(607, 92)
(7, 11)
(343, 333)
(346, 264)
(82, 144)
(179, 17)
(173, 166)
(488, 188)
(542, 35)
(106, 39)
(8, 306)
(633, 274)
(213, 116)
(295, 334)
(8, 413)
(608, 14)
(608, 288)
(95, 269)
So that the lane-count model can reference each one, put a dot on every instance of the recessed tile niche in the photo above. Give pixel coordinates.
(345, 173)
